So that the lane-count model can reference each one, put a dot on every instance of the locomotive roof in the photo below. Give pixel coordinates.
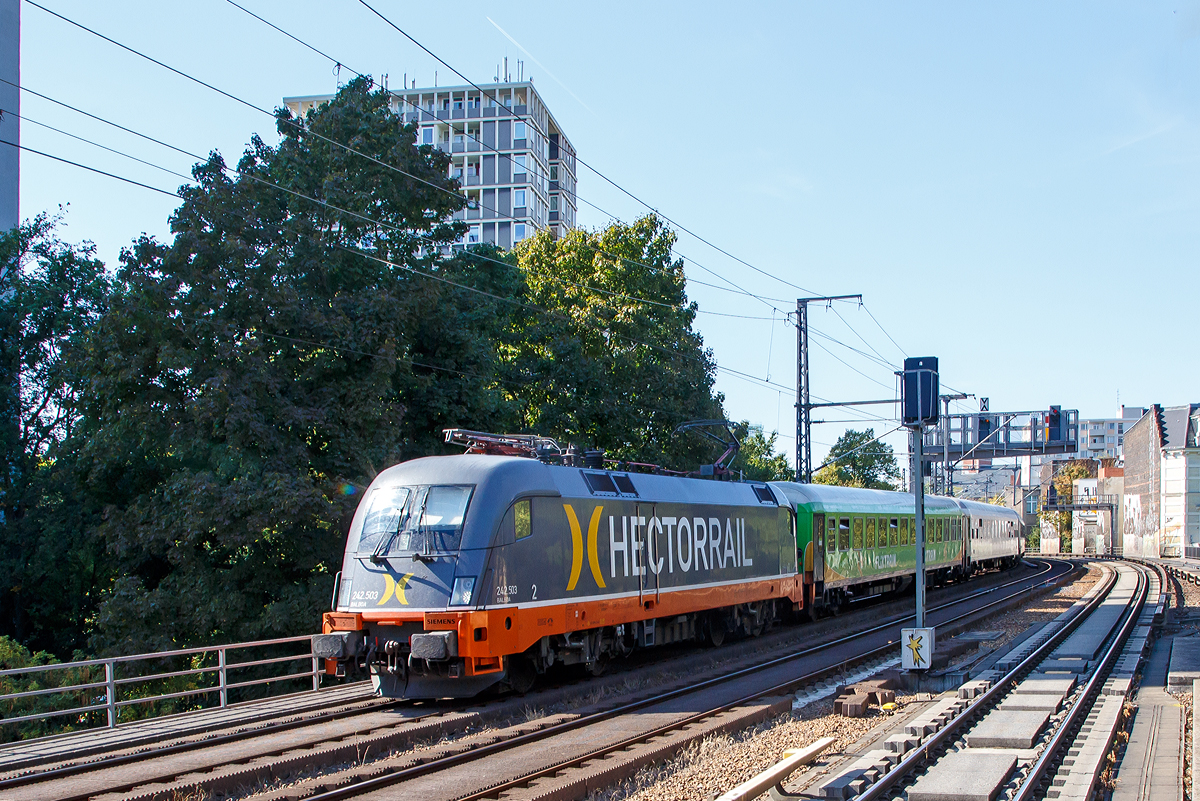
(518, 475)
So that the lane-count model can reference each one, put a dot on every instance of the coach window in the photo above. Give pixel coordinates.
(870, 532)
(844, 534)
(523, 517)
(904, 531)
(858, 534)
(894, 532)
(831, 539)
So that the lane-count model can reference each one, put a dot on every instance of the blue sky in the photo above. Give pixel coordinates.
(1012, 187)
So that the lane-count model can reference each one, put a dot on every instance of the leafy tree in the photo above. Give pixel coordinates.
(613, 361)
(858, 460)
(51, 293)
(757, 457)
(1064, 485)
(257, 370)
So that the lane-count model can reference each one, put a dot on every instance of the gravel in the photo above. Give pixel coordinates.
(717, 764)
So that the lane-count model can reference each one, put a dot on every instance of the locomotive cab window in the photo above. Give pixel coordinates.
(523, 519)
(415, 520)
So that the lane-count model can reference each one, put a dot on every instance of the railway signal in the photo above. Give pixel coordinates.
(919, 404)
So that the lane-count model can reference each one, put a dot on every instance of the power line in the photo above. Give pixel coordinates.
(466, 132)
(89, 169)
(597, 172)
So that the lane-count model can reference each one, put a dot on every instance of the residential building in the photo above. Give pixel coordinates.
(1099, 438)
(1161, 503)
(515, 164)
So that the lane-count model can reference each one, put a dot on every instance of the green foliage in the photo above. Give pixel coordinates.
(857, 461)
(757, 457)
(191, 433)
(604, 367)
(252, 372)
(1064, 485)
(51, 294)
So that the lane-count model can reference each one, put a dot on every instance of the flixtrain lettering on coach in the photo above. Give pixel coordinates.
(658, 544)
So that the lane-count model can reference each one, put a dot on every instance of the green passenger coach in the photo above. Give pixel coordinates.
(855, 543)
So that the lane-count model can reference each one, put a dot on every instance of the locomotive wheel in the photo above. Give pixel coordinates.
(521, 674)
(716, 630)
(598, 667)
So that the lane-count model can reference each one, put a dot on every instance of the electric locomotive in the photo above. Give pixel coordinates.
(462, 572)
(466, 572)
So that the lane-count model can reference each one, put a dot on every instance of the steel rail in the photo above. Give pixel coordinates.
(1085, 700)
(920, 754)
(434, 766)
(33, 777)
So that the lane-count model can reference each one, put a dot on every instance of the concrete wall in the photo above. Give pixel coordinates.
(1142, 490)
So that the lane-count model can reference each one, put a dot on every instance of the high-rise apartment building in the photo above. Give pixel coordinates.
(516, 166)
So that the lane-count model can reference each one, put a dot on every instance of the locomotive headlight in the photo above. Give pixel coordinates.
(461, 594)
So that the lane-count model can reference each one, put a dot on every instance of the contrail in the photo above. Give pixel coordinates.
(540, 64)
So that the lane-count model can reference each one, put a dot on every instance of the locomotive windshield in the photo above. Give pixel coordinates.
(414, 520)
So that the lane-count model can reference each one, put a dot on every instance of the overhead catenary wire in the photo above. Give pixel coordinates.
(332, 207)
(435, 186)
(464, 130)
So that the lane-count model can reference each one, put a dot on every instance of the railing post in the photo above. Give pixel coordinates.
(110, 678)
(222, 681)
(316, 670)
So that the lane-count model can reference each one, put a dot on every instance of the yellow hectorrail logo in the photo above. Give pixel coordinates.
(577, 547)
(395, 587)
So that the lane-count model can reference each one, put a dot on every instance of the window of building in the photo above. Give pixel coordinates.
(519, 199)
(458, 136)
(554, 203)
(507, 100)
(473, 235)
(519, 130)
(518, 232)
(458, 103)
(519, 165)
(427, 136)
(553, 172)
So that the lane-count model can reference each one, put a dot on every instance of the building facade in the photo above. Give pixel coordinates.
(1162, 482)
(516, 166)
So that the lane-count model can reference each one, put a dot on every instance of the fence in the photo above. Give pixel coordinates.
(97, 691)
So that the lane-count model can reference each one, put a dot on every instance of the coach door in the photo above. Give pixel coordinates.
(818, 549)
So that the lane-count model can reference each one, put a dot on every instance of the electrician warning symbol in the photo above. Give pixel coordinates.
(916, 648)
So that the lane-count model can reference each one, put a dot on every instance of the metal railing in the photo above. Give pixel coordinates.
(120, 679)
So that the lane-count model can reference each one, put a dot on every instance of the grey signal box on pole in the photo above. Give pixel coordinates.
(920, 391)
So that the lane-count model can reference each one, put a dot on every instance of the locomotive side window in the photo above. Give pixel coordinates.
(858, 534)
(844, 534)
(383, 515)
(831, 544)
(522, 517)
(870, 532)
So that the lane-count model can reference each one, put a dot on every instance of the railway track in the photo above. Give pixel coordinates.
(1041, 729)
(254, 757)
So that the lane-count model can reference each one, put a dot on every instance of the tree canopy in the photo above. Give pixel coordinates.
(858, 459)
(187, 435)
